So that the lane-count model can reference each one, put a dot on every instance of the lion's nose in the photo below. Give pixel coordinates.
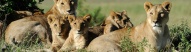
(155, 21)
(69, 11)
(59, 33)
(78, 30)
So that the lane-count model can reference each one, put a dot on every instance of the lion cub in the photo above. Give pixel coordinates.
(60, 28)
(78, 34)
(115, 21)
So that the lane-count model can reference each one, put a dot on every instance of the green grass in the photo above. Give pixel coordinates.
(180, 35)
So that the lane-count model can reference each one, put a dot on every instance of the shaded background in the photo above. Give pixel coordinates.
(181, 10)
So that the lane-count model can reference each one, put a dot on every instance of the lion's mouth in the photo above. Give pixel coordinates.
(157, 25)
(59, 34)
(71, 13)
(79, 32)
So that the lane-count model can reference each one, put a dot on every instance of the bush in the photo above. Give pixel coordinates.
(181, 37)
(9, 6)
(82, 10)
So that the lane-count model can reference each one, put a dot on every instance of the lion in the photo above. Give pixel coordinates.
(29, 28)
(154, 30)
(63, 7)
(60, 27)
(115, 21)
(78, 34)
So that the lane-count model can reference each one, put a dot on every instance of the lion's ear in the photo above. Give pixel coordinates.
(114, 23)
(71, 18)
(55, 1)
(113, 17)
(50, 18)
(167, 5)
(103, 23)
(124, 12)
(147, 6)
(87, 17)
(112, 14)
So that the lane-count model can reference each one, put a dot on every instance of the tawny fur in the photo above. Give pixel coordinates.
(29, 26)
(115, 21)
(60, 29)
(58, 10)
(63, 7)
(78, 35)
(154, 30)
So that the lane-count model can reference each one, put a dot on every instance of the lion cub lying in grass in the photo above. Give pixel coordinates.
(115, 21)
(78, 34)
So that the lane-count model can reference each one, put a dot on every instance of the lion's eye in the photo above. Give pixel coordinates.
(75, 23)
(83, 24)
(151, 13)
(62, 3)
(55, 24)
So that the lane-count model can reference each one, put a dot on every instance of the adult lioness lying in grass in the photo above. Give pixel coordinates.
(154, 30)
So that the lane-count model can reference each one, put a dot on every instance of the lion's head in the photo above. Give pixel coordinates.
(119, 19)
(66, 6)
(115, 21)
(157, 15)
(58, 24)
(79, 24)
(78, 34)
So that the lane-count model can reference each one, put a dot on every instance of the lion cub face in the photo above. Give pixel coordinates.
(57, 23)
(66, 6)
(121, 19)
(158, 15)
(79, 25)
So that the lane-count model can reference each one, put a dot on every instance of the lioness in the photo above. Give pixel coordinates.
(78, 35)
(63, 7)
(154, 30)
(60, 29)
(25, 29)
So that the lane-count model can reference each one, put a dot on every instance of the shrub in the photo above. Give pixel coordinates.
(180, 35)
(82, 10)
